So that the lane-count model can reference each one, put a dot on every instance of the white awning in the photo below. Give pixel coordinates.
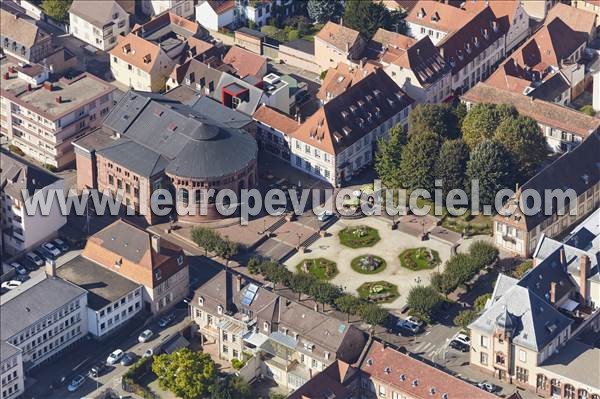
(569, 305)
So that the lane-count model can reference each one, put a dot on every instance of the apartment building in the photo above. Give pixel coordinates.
(157, 264)
(22, 38)
(43, 120)
(335, 44)
(289, 341)
(563, 127)
(100, 22)
(576, 171)
(435, 19)
(20, 230)
(416, 66)
(338, 79)
(216, 14)
(583, 21)
(274, 132)
(339, 140)
(113, 300)
(144, 59)
(11, 371)
(182, 8)
(45, 320)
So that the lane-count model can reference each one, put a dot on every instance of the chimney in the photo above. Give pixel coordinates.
(563, 258)
(584, 269)
(553, 292)
(238, 283)
(6, 76)
(48, 86)
(156, 243)
(51, 268)
(58, 99)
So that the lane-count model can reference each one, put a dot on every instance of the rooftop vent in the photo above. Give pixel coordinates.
(369, 362)
(415, 383)
(402, 377)
(431, 390)
(271, 79)
(387, 370)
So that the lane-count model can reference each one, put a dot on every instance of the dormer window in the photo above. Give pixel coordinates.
(327, 355)
(201, 301)
(266, 326)
(157, 274)
(147, 59)
(127, 48)
(180, 260)
(219, 309)
(421, 13)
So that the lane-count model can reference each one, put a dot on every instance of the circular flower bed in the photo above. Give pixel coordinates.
(378, 291)
(321, 268)
(419, 258)
(368, 264)
(359, 236)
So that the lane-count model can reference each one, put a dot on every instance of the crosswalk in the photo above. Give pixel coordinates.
(425, 349)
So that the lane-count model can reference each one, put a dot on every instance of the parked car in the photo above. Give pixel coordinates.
(97, 370)
(34, 258)
(9, 285)
(128, 359)
(166, 320)
(115, 357)
(50, 250)
(41, 254)
(486, 386)
(409, 326)
(145, 336)
(464, 338)
(18, 268)
(29, 266)
(61, 245)
(459, 346)
(75, 383)
(22, 277)
(415, 321)
(324, 216)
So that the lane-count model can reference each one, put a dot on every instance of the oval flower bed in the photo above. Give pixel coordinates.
(419, 258)
(368, 264)
(378, 291)
(321, 268)
(359, 236)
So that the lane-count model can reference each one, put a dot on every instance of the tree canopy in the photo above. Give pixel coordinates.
(451, 165)
(368, 16)
(482, 120)
(434, 118)
(387, 159)
(57, 9)
(187, 374)
(417, 164)
(423, 300)
(491, 165)
(322, 11)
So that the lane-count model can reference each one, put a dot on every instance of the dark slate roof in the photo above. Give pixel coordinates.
(225, 115)
(252, 32)
(306, 46)
(103, 286)
(163, 134)
(539, 279)
(37, 302)
(551, 88)
(18, 174)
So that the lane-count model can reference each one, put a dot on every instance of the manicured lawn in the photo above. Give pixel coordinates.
(361, 264)
(378, 291)
(321, 268)
(471, 224)
(359, 236)
(419, 258)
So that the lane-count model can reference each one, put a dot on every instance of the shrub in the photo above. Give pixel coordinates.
(237, 364)
(16, 150)
(359, 236)
(522, 269)
(481, 301)
(322, 74)
(466, 317)
(588, 110)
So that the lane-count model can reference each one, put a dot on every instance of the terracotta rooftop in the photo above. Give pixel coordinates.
(544, 112)
(338, 36)
(579, 20)
(347, 118)
(338, 79)
(438, 15)
(136, 51)
(221, 6)
(244, 62)
(398, 5)
(414, 378)
(275, 119)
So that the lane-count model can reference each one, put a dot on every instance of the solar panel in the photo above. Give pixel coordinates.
(249, 294)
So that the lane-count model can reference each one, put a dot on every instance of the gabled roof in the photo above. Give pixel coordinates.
(136, 51)
(21, 29)
(438, 15)
(221, 6)
(533, 321)
(340, 37)
(244, 62)
(579, 20)
(425, 60)
(18, 174)
(100, 12)
(348, 117)
(275, 119)
(414, 378)
(338, 79)
(329, 383)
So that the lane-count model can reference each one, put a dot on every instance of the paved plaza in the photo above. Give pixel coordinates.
(392, 243)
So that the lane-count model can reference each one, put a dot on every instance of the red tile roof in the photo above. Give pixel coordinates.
(221, 6)
(415, 378)
(276, 120)
(578, 19)
(438, 15)
(338, 79)
(338, 36)
(244, 62)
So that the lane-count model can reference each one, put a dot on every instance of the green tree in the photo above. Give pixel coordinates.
(373, 314)
(366, 17)
(348, 304)
(387, 159)
(588, 110)
(322, 11)
(490, 164)
(423, 300)
(433, 118)
(482, 120)
(451, 165)
(57, 9)
(417, 163)
(301, 283)
(187, 374)
(461, 268)
(443, 283)
(522, 269)
(231, 387)
(465, 317)
(227, 249)
(524, 139)
(481, 301)
(205, 238)
(324, 292)
(483, 253)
